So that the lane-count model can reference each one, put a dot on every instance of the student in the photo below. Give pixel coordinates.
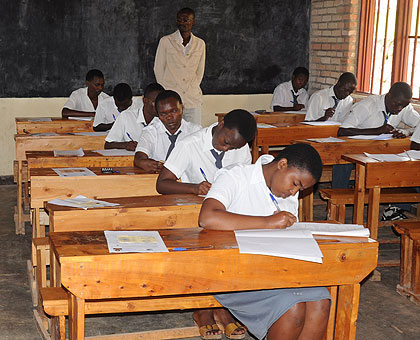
(160, 136)
(84, 101)
(109, 109)
(197, 157)
(415, 139)
(179, 64)
(291, 95)
(240, 198)
(128, 127)
(333, 103)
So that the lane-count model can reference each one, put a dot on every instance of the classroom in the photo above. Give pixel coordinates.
(58, 272)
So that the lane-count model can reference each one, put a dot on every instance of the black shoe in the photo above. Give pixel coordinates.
(392, 214)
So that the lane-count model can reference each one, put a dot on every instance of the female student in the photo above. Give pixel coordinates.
(265, 195)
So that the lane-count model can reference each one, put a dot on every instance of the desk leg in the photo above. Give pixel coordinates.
(373, 214)
(308, 207)
(347, 309)
(76, 318)
(19, 223)
(359, 194)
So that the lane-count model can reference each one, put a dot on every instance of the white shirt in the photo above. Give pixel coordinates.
(193, 153)
(368, 114)
(416, 135)
(154, 141)
(80, 101)
(322, 100)
(181, 68)
(107, 112)
(128, 126)
(242, 190)
(282, 95)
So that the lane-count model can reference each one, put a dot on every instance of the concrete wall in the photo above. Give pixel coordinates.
(10, 108)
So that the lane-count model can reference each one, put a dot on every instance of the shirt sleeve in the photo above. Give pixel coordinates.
(278, 97)
(354, 117)
(179, 160)
(116, 134)
(416, 135)
(201, 65)
(410, 116)
(71, 103)
(160, 61)
(146, 142)
(303, 98)
(100, 115)
(223, 187)
(314, 107)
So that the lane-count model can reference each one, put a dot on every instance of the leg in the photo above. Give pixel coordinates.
(205, 318)
(341, 175)
(290, 325)
(316, 320)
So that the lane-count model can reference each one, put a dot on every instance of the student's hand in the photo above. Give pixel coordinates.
(202, 188)
(329, 113)
(150, 165)
(386, 128)
(398, 134)
(298, 107)
(281, 220)
(131, 145)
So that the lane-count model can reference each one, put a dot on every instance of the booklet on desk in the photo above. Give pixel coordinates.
(134, 242)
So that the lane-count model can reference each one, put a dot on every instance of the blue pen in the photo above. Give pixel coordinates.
(129, 136)
(114, 117)
(292, 102)
(204, 175)
(276, 204)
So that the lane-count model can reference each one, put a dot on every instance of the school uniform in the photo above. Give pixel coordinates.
(107, 112)
(416, 135)
(80, 101)
(128, 126)
(284, 96)
(196, 152)
(155, 140)
(324, 99)
(242, 190)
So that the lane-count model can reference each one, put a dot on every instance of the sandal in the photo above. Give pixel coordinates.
(206, 328)
(232, 327)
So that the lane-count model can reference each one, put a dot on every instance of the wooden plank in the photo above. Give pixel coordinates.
(57, 124)
(160, 334)
(273, 117)
(76, 318)
(347, 309)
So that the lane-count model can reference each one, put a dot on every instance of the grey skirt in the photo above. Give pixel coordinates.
(259, 309)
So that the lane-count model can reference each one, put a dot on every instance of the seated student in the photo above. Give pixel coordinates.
(84, 101)
(258, 196)
(160, 136)
(109, 109)
(333, 103)
(196, 158)
(415, 139)
(291, 95)
(128, 127)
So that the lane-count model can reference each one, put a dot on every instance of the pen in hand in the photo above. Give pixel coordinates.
(129, 136)
(204, 175)
(276, 204)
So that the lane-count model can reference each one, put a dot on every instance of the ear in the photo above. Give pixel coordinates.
(144, 99)
(282, 164)
(221, 124)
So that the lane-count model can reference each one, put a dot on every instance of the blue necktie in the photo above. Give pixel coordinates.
(172, 138)
(295, 98)
(386, 117)
(336, 101)
(218, 158)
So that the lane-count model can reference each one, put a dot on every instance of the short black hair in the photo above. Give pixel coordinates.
(243, 121)
(153, 87)
(401, 89)
(122, 91)
(186, 10)
(167, 94)
(94, 73)
(304, 157)
(347, 77)
(301, 70)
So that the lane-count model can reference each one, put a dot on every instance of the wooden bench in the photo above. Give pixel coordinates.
(409, 285)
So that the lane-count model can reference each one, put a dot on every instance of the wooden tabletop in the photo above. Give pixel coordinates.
(56, 124)
(127, 170)
(273, 117)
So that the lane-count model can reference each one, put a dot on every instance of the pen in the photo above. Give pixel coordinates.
(114, 117)
(191, 248)
(275, 202)
(292, 102)
(129, 136)
(204, 175)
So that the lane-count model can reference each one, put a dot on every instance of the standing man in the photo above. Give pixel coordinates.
(179, 64)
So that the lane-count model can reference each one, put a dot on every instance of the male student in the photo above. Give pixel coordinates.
(109, 109)
(291, 95)
(197, 157)
(129, 125)
(332, 103)
(179, 64)
(160, 137)
(84, 101)
(415, 139)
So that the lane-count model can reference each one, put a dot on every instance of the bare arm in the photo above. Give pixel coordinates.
(296, 107)
(103, 127)
(66, 113)
(213, 215)
(167, 183)
(142, 161)
(414, 146)
(130, 146)
(386, 128)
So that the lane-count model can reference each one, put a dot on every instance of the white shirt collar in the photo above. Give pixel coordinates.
(208, 139)
(257, 175)
(180, 40)
(162, 129)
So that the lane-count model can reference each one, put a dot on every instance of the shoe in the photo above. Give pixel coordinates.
(204, 329)
(392, 214)
(230, 328)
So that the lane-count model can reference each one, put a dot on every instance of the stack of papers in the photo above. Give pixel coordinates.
(332, 229)
(383, 136)
(412, 154)
(82, 202)
(69, 153)
(327, 122)
(265, 126)
(73, 172)
(386, 157)
(115, 152)
(135, 242)
(45, 119)
(326, 140)
(87, 119)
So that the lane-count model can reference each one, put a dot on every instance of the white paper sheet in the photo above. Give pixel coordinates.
(135, 242)
(384, 157)
(326, 140)
(41, 119)
(327, 122)
(92, 133)
(301, 112)
(332, 229)
(265, 126)
(73, 172)
(82, 202)
(87, 119)
(115, 152)
(412, 154)
(69, 153)
(383, 136)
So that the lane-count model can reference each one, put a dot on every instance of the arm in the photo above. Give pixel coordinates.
(414, 146)
(103, 127)
(142, 161)
(160, 61)
(213, 215)
(130, 146)
(66, 113)
(296, 107)
(167, 183)
(200, 67)
(386, 128)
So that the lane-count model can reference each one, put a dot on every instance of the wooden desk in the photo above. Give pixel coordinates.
(170, 211)
(57, 124)
(373, 175)
(83, 266)
(273, 117)
(285, 133)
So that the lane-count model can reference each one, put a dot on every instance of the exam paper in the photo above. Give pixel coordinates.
(413, 154)
(44, 134)
(92, 133)
(301, 112)
(385, 157)
(82, 202)
(115, 152)
(265, 126)
(73, 172)
(326, 140)
(41, 119)
(87, 119)
(383, 136)
(332, 229)
(66, 153)
(327, 122)
(135, 242)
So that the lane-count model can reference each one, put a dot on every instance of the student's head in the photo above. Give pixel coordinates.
(122, 96)
(300, 78)
(345, 86)
(150, 93)
(95, 81)
(298, 166)
(185, 20)
(398, 97)
(169, 108)
(236, 129)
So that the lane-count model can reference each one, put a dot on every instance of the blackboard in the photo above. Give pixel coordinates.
(47, 46)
